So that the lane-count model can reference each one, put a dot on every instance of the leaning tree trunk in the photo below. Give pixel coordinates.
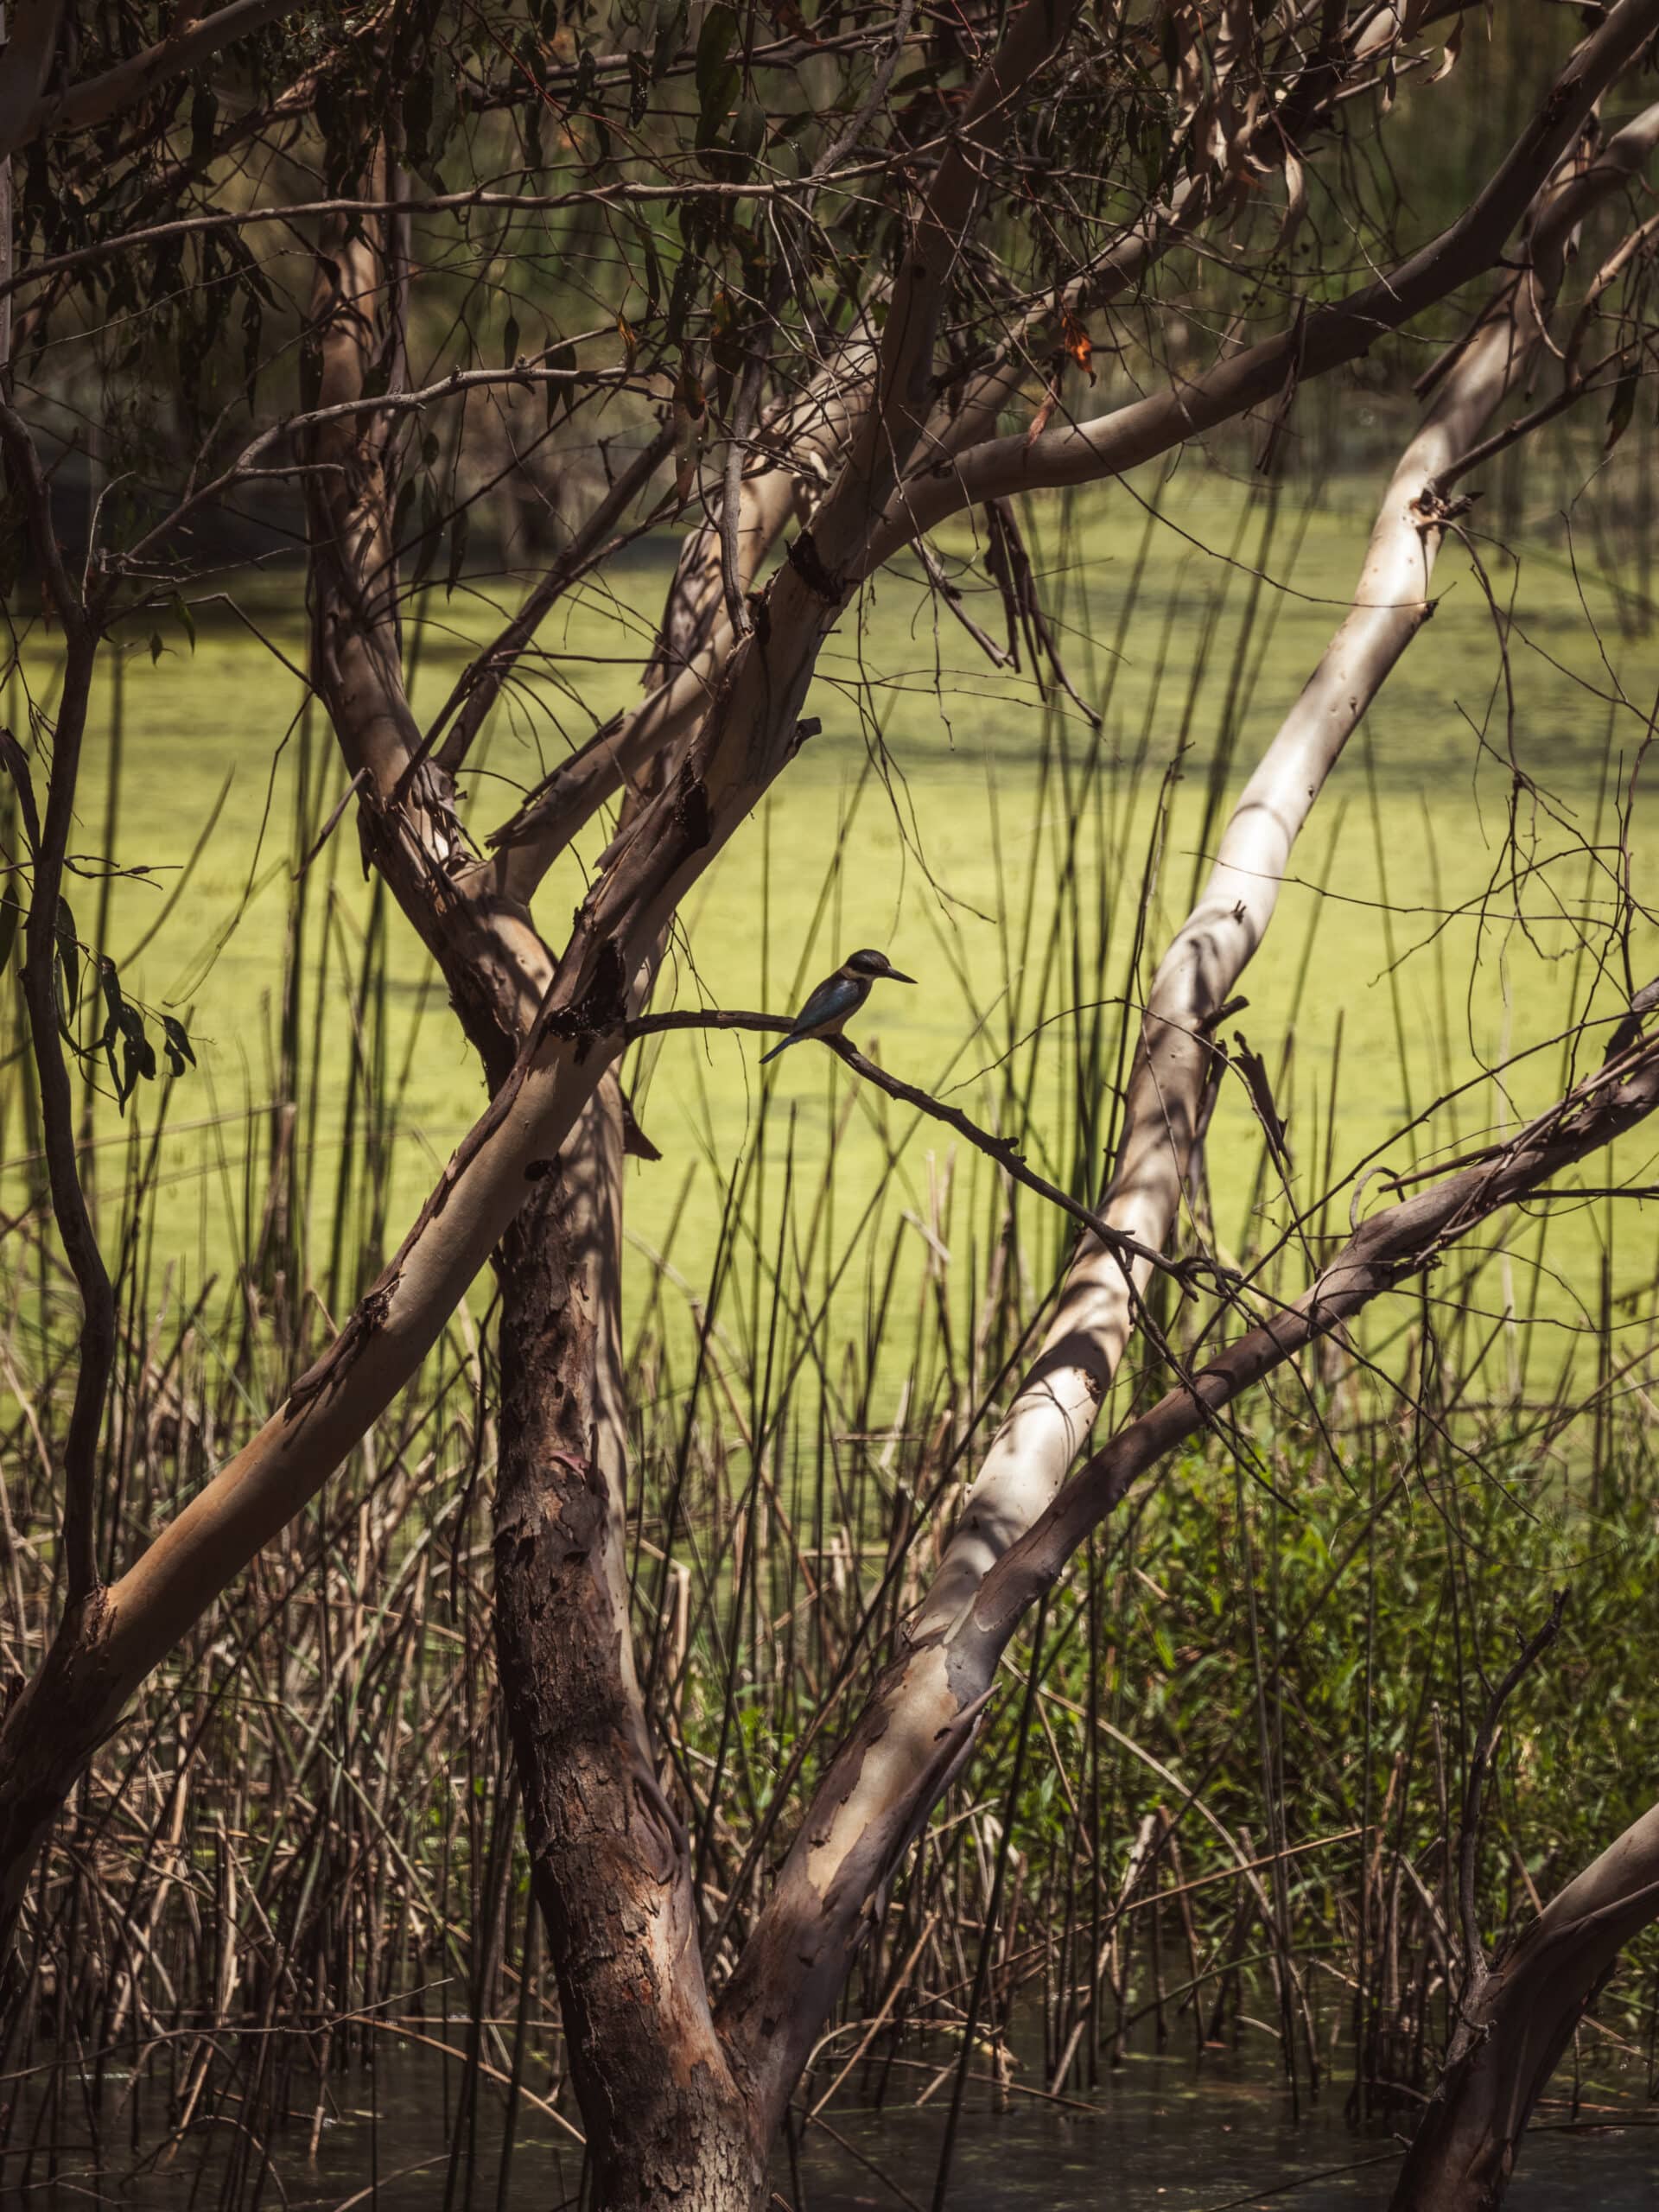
(1517, 2022)
(667, 2125)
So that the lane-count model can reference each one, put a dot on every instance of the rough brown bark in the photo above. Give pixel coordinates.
(666, 2122)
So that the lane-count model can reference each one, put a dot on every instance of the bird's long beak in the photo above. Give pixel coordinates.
(897, 975)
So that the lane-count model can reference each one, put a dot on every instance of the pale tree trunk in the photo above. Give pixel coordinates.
(921, 1724)
(901, 1754)
(1055, 1408)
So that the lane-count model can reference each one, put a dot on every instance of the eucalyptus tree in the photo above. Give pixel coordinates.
(814, 289)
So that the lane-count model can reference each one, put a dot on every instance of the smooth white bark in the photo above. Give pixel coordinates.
(1054, 1411)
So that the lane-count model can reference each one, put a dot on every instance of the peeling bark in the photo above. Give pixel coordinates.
(667, 2123)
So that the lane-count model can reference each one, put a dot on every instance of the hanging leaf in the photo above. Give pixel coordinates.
(1624, 407)
(1449, 59)
(1295, 199)
(671, 23)
(110, 983)
(1253, 1070)
(653, 270)
(749, 130)
(137, 1054)
(457, 550)
(176, 1045)
(717, 78)
(639, 89)
(713, 73)
(561, 360)
(431, 534)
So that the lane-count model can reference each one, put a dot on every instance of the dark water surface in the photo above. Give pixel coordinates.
(1161, 2137)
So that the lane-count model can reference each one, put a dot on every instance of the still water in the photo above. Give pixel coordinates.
(1159, 2137)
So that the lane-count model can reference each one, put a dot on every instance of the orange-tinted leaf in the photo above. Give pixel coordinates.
(1039, 421)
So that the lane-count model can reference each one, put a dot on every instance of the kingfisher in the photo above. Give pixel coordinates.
(832, 1005)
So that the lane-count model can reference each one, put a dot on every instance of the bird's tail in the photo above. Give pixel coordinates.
(792, 1038)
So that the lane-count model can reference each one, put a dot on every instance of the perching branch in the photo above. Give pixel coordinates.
(1000, 1149)
(901, 1753)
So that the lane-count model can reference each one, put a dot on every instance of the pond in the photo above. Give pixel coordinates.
(1159, 2135)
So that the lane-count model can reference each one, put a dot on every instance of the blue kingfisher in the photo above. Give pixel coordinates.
(832, 1005)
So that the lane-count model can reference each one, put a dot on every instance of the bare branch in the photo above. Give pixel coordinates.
(1001, 1149)
(1313, 346)
(920, 1724)
(1531, 1649)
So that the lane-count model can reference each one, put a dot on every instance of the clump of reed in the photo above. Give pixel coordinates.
(1218, 1803)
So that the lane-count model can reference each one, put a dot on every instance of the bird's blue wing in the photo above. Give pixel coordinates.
(828, 1005)
(833, 1000)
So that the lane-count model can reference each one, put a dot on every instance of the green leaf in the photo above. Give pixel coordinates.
(653, 270)
(185, 618)
(560, 358)
(717, 79)
(671, 23)
(749, 128)
(509, 342)
(714, 42)
(431, 533)
(1623, 406)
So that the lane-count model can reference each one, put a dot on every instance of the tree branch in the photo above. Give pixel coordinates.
(1480, 1758)
(80, 107)
(1000, 1149)
(1314, 344)
(920, 1723)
